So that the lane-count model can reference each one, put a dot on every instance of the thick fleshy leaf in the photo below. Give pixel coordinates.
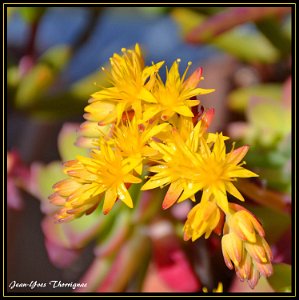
(281, 280)
(268, 125)
(147, 205)
(171, 261)
(115, 237)
(236, 42)
(57, 57)
(60, 256)
(14, 198)
(127, 263)
(230, 18)
(83, 88)
(153, 282)
(95, 274)
(186, 19)
(238, 100)
(34, 86)
(66, 142)
(42, 179)
(75, 234)
(265, 52)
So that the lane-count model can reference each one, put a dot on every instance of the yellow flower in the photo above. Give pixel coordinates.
(232, 249)
(176, 96)
(192, 166)
(132, 140)
(203, 218)
(245, 225)
(106, 171)
(131, 85)
(245, 248)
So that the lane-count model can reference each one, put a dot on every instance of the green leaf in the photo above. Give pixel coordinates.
(238, 100)
(66, 142)
(276, 179)
(236, 42)
(46, 176)
(83, 88)
(13, 77)
(239, 44)
(269, 122)
(281, 280)
(57, 57)
(186, 19)
(270, 115)
(33, 86)
(272, 28)
(75, 234)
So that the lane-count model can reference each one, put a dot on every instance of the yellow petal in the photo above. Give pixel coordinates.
(200, 91)
(219, 149)
(147, 96)
(110, 198)
(154, 131)
(154, 183)
(183, 110)
(193, 79)
(192, 102)
(124, 195)
(66, 187)
(221, 197)
(257, 252)
(189, 191)
(241, 172)
(131, 178)
(104, 94)
(149, 71)
(237, 155)
(172, 194)
(150, 112)
(233, 191)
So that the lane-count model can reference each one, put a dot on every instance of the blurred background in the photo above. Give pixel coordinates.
(54, 56)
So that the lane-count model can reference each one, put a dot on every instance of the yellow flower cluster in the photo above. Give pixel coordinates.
(141, 124)
(244, 246)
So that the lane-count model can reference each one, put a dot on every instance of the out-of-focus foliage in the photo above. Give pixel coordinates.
(267, 130)
(237, 41)
(281, 279)
(260, 39)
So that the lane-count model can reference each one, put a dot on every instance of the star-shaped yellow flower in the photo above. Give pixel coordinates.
(177, 95)
(105, 172)
(131, 85)
(198, 165)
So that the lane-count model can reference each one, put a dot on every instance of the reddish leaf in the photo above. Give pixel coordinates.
(171, 262)
(228, 19)
(60, 256)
